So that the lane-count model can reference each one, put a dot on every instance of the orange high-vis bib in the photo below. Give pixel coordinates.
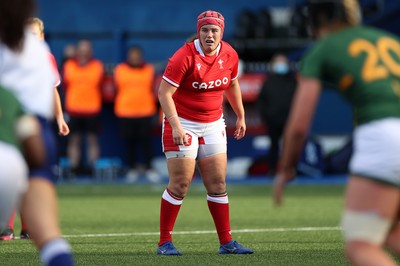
(83, 94)
(135, 96)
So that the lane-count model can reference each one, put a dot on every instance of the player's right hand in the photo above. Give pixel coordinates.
(179, 136)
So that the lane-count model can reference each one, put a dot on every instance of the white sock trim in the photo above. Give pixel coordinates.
(54, 248)
(223, 199)
(168, 197)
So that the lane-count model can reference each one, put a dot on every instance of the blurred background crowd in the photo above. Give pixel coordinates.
(117, 51)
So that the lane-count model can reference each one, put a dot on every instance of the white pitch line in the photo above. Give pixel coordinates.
(265, 230)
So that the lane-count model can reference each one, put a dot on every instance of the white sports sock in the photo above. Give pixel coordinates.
(54, 248)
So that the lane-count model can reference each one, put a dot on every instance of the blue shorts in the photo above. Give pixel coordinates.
(47, 170)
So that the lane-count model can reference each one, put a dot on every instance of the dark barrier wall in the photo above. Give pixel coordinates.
(160, 26)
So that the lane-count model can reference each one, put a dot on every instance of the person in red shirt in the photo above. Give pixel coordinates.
(191, 96)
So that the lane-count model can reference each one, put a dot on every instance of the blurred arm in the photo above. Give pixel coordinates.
(63, 128)
(28, 131)
(296, 131)
(299, 121)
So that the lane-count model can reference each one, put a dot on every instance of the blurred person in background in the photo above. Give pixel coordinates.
(37, 28)
(69, 52)
(364, 63)
(26, 71)
(191, 96)
(135, 107)
(274, 103)
(82, 79)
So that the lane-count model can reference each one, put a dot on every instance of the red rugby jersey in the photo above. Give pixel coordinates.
(201, 80)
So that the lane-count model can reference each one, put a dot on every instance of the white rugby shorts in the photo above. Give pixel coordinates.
(376, 151)
(204, 139)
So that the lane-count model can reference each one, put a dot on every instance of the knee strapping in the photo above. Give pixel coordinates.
(365, 226)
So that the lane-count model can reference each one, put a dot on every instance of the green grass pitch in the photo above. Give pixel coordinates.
(118, 225)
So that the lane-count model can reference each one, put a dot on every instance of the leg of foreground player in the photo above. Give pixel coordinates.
(213, 172)
(393, 239)
(369, 197)
(40, 210)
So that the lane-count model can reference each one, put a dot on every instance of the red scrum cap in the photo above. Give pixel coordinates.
(210, 17)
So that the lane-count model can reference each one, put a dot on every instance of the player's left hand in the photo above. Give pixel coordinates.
(63, 129)
(240, 129)
(281, 178)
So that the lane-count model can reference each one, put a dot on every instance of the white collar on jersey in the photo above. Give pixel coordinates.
(198, 48)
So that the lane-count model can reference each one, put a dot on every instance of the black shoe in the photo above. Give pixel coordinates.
(24, 235)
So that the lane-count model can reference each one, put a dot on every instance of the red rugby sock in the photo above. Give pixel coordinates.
(11, 220)
(170, 206)
(219, 208)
